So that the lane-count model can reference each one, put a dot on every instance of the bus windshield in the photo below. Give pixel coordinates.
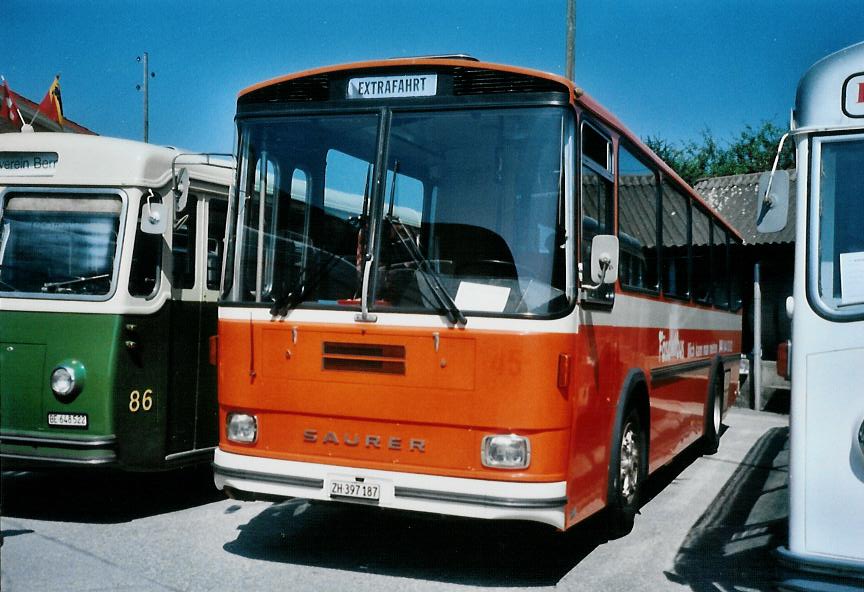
(53, 245)
(470, 203)
(840, 239)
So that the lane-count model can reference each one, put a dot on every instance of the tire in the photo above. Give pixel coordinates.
(713, 412)
(630, 463)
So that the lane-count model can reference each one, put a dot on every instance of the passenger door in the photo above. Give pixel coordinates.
(185, 328)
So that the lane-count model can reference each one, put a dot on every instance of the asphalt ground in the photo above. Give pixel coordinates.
(709, 524)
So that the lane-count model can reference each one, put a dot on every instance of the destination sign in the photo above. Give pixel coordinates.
(390, 87)
(853, 96)
(28, 164)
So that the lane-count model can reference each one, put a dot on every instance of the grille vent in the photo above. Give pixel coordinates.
(466, 81)
(363, 357)
(299, 90)
(476, 81)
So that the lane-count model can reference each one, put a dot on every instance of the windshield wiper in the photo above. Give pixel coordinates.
(454, 315)
(289, 299)
(7, 284)
(53, 286)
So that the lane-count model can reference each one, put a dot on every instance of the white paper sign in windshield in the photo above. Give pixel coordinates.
(852, 278)
(392, 87)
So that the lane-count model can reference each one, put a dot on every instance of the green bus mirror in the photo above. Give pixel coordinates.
(154, 218)
(181, 190)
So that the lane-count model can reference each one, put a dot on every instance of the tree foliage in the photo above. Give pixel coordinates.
(752, 151)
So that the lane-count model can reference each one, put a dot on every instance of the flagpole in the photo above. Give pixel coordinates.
(570, 61)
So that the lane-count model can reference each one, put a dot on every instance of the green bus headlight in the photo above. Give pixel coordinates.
(67, 379)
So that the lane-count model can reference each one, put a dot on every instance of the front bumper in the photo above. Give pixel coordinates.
(472, 498)
(25, 450)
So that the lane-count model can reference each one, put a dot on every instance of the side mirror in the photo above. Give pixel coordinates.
(154, 218)
(772, 208)
(604, 259)
(181, 190)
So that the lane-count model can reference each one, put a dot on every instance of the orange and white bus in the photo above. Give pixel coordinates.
(464, 288)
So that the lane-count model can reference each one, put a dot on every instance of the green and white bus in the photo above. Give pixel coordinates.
(110, 262)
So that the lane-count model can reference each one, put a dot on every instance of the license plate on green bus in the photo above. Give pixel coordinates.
(68, 420)
(355, 490)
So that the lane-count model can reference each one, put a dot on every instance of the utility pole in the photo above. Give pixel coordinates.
(147, 75)
(571, 40)
(756, 369)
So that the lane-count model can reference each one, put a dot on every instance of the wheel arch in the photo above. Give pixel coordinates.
(634, 392)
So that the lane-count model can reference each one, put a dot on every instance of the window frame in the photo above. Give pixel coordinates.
(640, 157)
(101, 193)
(603, 296)
(710, 217)
(688, 202)
(813, 240)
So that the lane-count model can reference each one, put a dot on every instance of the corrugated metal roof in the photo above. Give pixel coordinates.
(735, 197)
(637, 211)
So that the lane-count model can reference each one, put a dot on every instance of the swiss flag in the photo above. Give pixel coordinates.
(8, 107)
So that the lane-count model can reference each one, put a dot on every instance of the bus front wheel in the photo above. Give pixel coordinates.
(630, 462)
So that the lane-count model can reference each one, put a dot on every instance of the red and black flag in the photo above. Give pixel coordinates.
(52, 105)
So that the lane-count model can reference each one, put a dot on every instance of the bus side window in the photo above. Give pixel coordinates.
(597, 181)
(675, 237)
(701, 255)
(217, 212)
(736, 276)
(720, 267)
(146, 261)
(637, 222)
(183, 246)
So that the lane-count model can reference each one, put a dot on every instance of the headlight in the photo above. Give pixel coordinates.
(242, 428)
(67, 379)
(506, 452)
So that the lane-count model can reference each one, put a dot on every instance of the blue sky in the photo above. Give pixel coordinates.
(666, 68)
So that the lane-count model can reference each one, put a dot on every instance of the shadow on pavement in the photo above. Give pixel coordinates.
(730, 546)
(104, 496)
(426, 547)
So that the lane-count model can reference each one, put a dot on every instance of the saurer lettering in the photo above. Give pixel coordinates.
(369, 441)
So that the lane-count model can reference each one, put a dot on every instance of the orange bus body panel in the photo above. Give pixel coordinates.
(432, 419)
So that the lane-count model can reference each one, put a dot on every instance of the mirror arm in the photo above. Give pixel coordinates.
(605, 262)
(767, 204)
(153, 216)
(771, 177)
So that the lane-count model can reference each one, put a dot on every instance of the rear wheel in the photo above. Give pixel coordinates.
(630, 471)
(713, 413)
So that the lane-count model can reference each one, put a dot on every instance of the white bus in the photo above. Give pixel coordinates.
(826, 478)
